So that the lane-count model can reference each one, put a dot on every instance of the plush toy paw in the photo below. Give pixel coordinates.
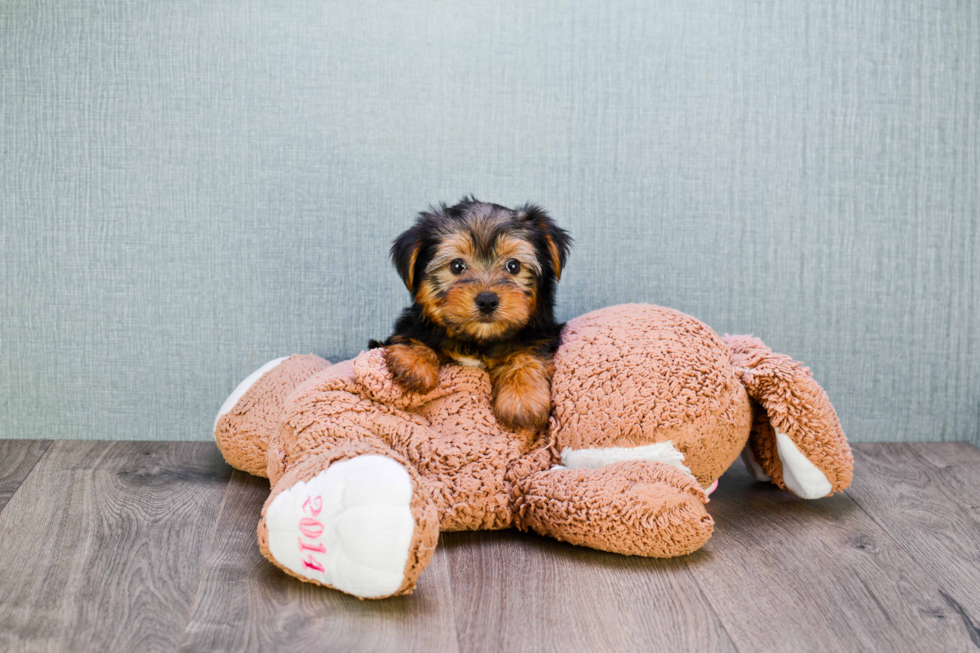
(796, 439)
(350, 527)
(801, 477)
(634, 507)
(414, 366)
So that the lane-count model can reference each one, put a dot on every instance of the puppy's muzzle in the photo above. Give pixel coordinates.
(487, 302)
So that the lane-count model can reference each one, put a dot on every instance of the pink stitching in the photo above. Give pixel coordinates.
(310, 563)
(315, 508)
(303, 546)
(312, 529)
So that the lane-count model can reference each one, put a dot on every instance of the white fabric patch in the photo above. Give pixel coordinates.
(243, 388)
(658, 452)
(349, 526)
(800, 475)
(751, 464)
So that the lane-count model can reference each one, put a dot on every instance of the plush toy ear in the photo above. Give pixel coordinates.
(556, 239)
(405, 254)
(797, 441)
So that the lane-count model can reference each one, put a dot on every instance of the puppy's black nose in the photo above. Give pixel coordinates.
(487, 302)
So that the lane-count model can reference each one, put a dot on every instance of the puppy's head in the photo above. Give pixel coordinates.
(482, 271)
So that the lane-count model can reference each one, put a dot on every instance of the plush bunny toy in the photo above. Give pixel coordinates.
(650, 407)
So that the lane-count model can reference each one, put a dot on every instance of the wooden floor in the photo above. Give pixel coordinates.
(138, 546)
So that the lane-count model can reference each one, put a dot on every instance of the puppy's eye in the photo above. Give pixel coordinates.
(513, 266)
(457, 266)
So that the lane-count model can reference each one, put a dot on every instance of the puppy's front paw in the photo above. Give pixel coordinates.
(415, 366)
(523, 404)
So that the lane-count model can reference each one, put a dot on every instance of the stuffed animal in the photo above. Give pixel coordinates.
(650, 407)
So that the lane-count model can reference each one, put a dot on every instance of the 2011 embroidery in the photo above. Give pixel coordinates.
(311, 529)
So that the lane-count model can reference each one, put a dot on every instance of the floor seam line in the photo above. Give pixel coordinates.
(707, 600)
(452, 595)
(28, 474)
(207, 554)
(910, 446)
(911, 554)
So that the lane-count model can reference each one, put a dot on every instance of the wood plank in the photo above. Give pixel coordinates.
(247, 604)
(522, 592)
(104, 543)
(927, 496)
(787, 574)
(961, 459)
(17, 459)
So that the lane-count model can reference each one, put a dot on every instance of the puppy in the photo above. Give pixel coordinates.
(482, 279)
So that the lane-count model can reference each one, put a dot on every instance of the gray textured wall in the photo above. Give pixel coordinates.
(189, 189)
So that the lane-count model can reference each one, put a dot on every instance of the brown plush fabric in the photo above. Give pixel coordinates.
(636, 374)
(795, 405)
(634, 508)
(449, 435)
(626, 376)
(243, 432)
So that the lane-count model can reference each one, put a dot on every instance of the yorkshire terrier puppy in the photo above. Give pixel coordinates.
(482, 279)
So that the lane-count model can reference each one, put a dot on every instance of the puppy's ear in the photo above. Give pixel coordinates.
(405, 254)
(556, 240)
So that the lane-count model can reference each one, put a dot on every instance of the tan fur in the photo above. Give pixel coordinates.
(410, 278)
(414, 365)
(555, 257)
(508, 247)
(456, 245)
(522, 390)
(483, 225)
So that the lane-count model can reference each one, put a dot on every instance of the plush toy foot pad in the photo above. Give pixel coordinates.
(349, 527)
(800, 475)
